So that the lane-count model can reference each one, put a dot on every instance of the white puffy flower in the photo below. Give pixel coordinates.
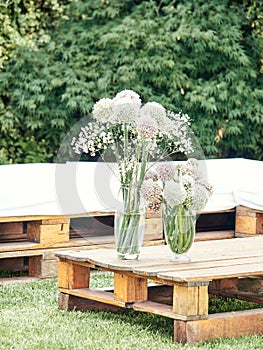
(187, 180)
(151, 174)
(102, 110)
(199, 198)
(129, 95)
(125, 111)
(147, 127)
(166, 171)
(154, 110)
(174, 193)
(152, 193)
(126, 106)
(151, 190)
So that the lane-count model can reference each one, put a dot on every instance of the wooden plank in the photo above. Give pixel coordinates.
(48, 233)
(154, 270)
(223, 325)
(13, 264)
(71, 276)
(48, 268)
(129, 289)
(153, 229)
(200, 251)
(190, 300)
(34, 267)
(17, 280)
(89, 243)
(162, 294)
(72, 302)
(247, 296)
(52, 217)
(214, 235)
(162, 310)
(249, 221)
(95, 295)
(252, 285)
(12, 231)
(212, 273)
(246, 224)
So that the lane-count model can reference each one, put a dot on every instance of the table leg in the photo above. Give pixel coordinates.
(191, 299)
(130, 289)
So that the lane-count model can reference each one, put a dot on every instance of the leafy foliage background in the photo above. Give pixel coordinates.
(59, 57)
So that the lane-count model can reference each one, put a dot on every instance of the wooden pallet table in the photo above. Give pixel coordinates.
(181, 290)
(29, 243)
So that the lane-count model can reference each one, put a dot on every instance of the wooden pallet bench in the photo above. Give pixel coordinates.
(29, 243)
(181, 290)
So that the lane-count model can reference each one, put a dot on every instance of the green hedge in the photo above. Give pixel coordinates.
(204, 58)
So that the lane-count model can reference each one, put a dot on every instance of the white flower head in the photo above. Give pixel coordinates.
(174, 193)
(147, 127)
(151, 174)
(102, 110)
(152, 193)
(151, 190)
(199, 198)
(166, 171)
(126, 106)
(154, 110)
(187, 180)
(129, 95)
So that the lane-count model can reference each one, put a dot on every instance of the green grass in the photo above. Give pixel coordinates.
(30, 319)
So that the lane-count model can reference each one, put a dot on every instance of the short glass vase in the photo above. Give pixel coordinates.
(179, 231)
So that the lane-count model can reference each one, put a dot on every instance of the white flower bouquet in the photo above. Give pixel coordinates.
(183, 192)
(137, 136)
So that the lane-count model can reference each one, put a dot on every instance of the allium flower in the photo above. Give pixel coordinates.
(166, 171)
(151, 174)
(126, 106)
(174, 193)
(151, 190)
(129, 95)
(125, 111)
(199, 198)
(147, 127)
(102, 110)
(154, 110)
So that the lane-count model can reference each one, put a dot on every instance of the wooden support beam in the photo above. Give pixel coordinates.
(129, 289)
(72, 275)
(224, 284)
(223, 325)
(71, 302)
(42, 233)
(248, 221)
(190, 300)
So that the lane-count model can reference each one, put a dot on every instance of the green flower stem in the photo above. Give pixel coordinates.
(179, 229)
(129, 236)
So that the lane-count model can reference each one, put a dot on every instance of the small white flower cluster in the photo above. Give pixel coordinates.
(180, 185)
(92, 139)
(126, 121)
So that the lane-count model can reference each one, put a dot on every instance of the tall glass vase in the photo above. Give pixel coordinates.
(179, 231)
(129, 225)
